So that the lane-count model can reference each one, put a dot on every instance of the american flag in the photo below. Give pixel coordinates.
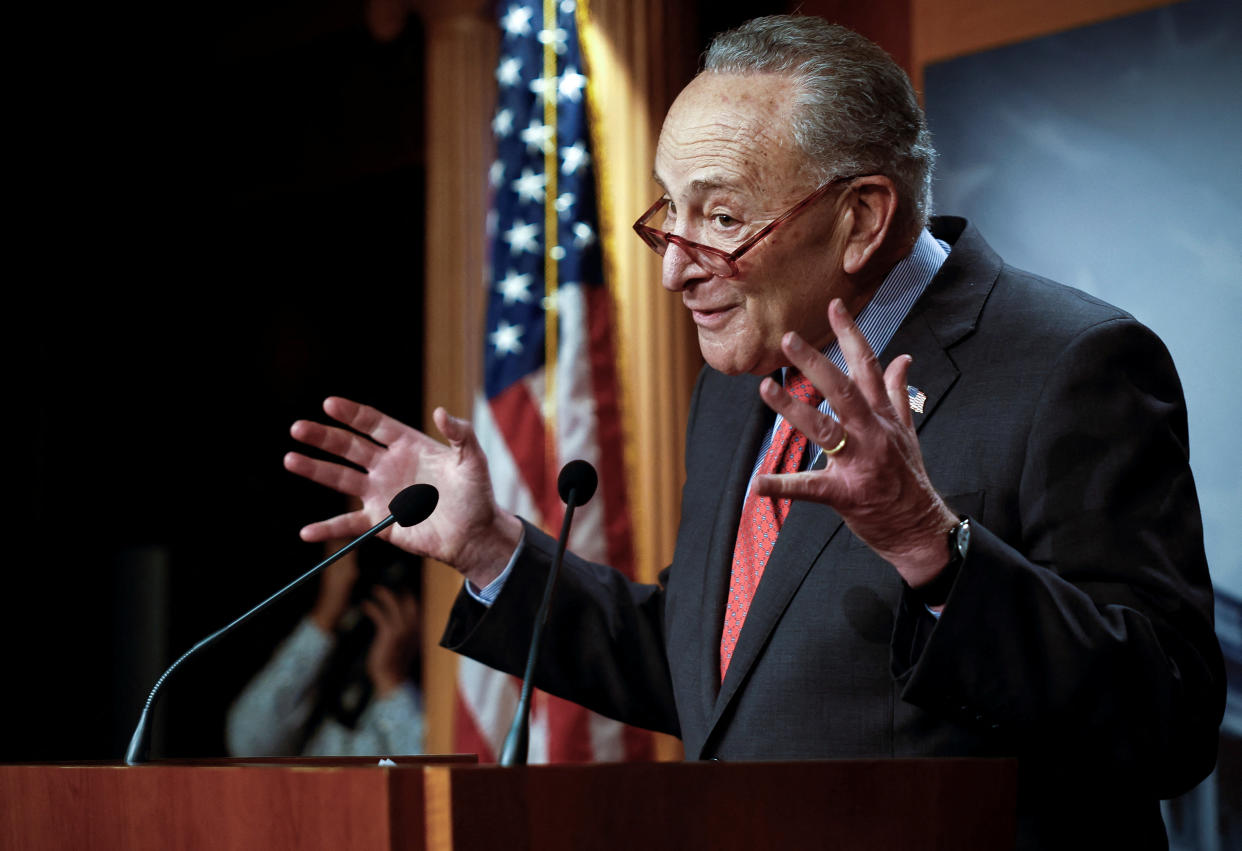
(550, 384)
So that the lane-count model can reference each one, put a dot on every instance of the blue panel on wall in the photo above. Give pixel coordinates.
(1110, 158)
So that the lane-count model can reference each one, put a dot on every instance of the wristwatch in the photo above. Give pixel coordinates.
(936, 592)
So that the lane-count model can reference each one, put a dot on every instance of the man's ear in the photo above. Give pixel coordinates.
(872, 203)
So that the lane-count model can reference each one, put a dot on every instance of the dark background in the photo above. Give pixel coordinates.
(224, 224)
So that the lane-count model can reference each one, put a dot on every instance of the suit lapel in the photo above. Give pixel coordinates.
(932, 372)
(739, 441)
(946, 312)
(806, 532)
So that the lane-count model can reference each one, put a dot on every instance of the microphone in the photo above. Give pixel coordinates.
(576, 485)
(408, 508)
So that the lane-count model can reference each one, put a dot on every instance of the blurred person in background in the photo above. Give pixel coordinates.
(344, 682)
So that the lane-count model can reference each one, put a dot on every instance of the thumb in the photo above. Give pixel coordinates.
(455, 429)
(458, 432)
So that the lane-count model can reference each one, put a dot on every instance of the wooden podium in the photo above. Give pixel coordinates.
(439, 803)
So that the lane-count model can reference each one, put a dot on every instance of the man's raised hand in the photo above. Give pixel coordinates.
(876, 482)
(467, 530)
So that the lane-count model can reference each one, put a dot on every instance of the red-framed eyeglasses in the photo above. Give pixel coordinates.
(721, 263)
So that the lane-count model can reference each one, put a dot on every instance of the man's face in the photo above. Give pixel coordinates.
(729, 164)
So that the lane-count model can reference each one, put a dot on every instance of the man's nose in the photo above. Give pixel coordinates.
(681, 269)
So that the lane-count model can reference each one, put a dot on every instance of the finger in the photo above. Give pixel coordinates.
(409, 608)
(371, 422)
(337, 441)
(336, 476)
(455, 429)
(848, 402)
(375, 613)
(458, 432)
(806, 485)
(864, 367)
(343, 571)
(342, 526)
(387, 601)
(898, 393)
(819, 428)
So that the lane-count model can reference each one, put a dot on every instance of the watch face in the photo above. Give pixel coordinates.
(963, 538)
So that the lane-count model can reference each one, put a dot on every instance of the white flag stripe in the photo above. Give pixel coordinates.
(507, 482)
(490, 697)
(575, 415)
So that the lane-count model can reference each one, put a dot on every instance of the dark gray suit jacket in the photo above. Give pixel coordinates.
(1078, 636)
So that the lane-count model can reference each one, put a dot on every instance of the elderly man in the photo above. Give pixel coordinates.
(991, 547)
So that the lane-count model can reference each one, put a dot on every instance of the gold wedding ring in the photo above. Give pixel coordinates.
(834, 450)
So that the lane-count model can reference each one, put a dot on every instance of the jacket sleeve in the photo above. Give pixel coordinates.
(603, 647)
(1092, 630)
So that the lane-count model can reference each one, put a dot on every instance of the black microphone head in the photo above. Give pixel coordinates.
(578, 476)
(414, 504)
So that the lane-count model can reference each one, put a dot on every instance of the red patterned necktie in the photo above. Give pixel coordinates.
(761, 520)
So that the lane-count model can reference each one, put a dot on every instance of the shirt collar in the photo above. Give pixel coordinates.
(902, 286)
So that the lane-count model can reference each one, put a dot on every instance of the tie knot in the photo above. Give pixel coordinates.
(800, 387)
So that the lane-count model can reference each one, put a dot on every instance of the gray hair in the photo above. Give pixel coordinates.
(855, 110)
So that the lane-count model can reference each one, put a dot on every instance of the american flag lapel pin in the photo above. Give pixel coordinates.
(917, 399)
